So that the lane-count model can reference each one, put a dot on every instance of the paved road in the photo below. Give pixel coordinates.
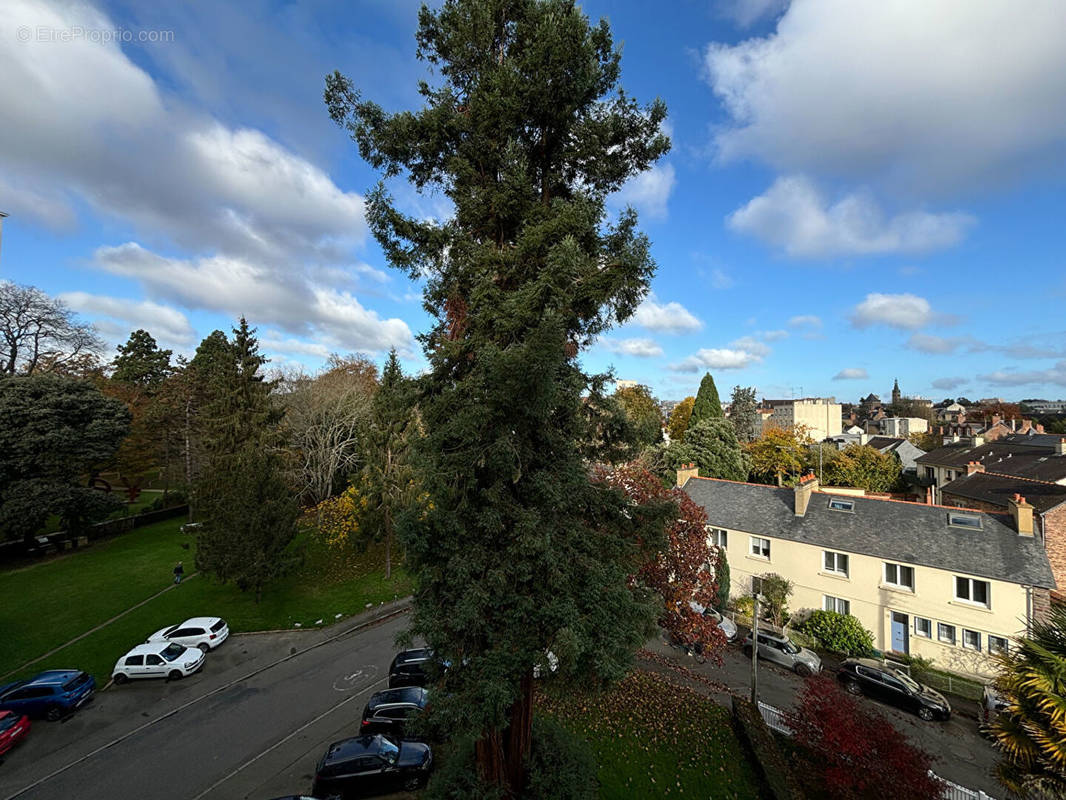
(962, 754)
(253, 738)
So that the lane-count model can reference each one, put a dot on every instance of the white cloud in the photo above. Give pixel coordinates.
(773, 336)
(750, 345)
(720, 279)
(927, 343)
(641, 348)
(649, 192)
(666, 317)
(851, 374)
(793, 216)
(746, 12)
(905, 92)
(905, 311)
(271, 343)
(949, 383)
(1055, 375)
(805, 321)
(716, 358)
(164, 323)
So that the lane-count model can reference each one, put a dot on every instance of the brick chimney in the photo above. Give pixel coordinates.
(974, 466)
(804, 489)
(1060, 446)
(687, 471)
(1022, 514)
(929, 496)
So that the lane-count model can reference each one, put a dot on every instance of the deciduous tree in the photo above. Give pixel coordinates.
(38, 330)
(643, 412)
(527, 136)
(679, 419)
(777, 454)
(862, 466)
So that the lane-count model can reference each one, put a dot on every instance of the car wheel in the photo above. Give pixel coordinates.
(53, 714)
(203, 647)
(803, 671)
(175, 675)
(853, 688)
(120, 678)
(925, 713)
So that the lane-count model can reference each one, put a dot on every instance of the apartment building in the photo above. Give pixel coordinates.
(902, 427)
(820, 415)
(952, 585)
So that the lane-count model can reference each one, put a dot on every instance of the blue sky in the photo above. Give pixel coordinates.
(857, 191)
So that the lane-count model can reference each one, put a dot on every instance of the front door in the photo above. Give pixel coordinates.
(900, 633)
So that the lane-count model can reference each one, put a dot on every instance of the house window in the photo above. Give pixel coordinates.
(760, 548)
(837, 604)
(945, 633)
(923, 627)
(899, 575)
(964, 521)
(971, 640)
(971, 590)
(997, 644)
(718, 537)
(837, 504)
(930, 473)
(836, 562)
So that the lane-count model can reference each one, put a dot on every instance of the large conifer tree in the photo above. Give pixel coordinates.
(521, 552)
(707, 405)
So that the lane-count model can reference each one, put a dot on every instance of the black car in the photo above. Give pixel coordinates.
(409, 668)
(368, 765)
(894, 686)
(389, 711)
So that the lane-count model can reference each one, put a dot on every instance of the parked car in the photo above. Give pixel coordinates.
(388, 711)
(893, 686)
(777, 647)
(168, 660)
(207, 633)
(14, 727)
(51, 694)
(990, 706)
(371, 765)
(409, 667)
(727, 625)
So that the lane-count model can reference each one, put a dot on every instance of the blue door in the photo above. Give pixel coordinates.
(900, 632)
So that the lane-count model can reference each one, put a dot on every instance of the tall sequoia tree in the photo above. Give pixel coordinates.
(520, 552)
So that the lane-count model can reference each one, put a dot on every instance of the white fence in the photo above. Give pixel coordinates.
(775, 720)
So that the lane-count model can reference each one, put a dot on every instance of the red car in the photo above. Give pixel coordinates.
(13, 729)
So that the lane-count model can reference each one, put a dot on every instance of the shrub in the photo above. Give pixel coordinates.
(776, 589)
(841, 633)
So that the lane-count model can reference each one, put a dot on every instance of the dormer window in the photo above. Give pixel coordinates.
(839, 504)
(964, 521)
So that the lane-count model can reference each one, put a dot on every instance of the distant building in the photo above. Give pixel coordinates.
(624, 384)
(902, 427)
(820, 415)
(896, 396)
(1045, 406)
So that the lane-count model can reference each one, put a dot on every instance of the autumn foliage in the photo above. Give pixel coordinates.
(684, 569)
(852, 752)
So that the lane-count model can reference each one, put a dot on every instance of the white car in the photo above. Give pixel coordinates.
(727, 625)
(158, 660)
(207, 633)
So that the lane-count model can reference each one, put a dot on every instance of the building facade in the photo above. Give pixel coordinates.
(902, 427)
(820, 415)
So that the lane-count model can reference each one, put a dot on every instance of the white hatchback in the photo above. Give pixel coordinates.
(207, 633)
(158, 660)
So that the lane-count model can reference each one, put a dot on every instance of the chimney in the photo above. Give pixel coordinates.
(978, 441)
(864, 438)
(1039, 427)
(1026, 424)
(804, 489)
(1022, 513)
(929, 495)
(1060, 446)
(687, 471)
(973, 466)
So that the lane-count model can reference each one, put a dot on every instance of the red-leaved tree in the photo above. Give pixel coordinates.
(684, 570)
(854, 753)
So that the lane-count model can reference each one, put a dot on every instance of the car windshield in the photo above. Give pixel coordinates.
(75, 682)
(791, 647)
(218, 626)
(389, 751)
(907, 681)
(170, 630)
(172, 652)
(8, 722)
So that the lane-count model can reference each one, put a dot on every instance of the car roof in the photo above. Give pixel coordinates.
(149, 647)
(53, 676)
(407, 694)
(413, 656)
(202, 622)
(353, 748)
(872, 663)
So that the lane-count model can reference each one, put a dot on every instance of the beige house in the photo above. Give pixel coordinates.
(820, 415)
(952, 585)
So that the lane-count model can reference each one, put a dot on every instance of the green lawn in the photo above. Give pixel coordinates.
(653, 738)
(52, 602)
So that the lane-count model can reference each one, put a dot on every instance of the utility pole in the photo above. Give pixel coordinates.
(755, 651)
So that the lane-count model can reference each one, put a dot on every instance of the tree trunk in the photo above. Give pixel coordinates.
(388, 545)
(501, 755)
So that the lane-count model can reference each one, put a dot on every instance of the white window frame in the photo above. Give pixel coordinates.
(830, 603)
(995, 648)
(970, 583)
(758, 553)
(719, 536)
(928, 633)
(848, 505)
(899, 570)
(835, 569)
(940, 628)
(954, 521)
(972, 634)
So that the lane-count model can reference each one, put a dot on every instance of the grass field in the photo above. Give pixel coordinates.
(653, 738)
(52, 602)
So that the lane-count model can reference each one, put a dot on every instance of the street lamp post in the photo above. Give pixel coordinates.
(755, 650)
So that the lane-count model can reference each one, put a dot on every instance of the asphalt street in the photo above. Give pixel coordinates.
(227, 733)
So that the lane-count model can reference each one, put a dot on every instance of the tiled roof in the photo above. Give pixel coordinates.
(893, 530)
(884, 443)
(996, 488)
(1011, 455)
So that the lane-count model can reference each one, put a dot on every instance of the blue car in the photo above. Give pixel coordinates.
(51, 694)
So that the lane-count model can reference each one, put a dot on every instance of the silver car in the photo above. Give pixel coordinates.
(781, 650)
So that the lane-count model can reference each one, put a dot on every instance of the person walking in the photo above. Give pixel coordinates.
(179, 571)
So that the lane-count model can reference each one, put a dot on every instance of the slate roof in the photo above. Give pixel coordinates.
(995, 488)
(884, 443)
(1011, 455)
(895, 531)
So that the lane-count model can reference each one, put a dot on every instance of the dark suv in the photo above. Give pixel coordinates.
(389, 711)
(409, 668)
(51, 694)
(894, 686)
(371, 765)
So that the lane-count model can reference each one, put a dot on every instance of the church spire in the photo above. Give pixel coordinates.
(895, 391)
